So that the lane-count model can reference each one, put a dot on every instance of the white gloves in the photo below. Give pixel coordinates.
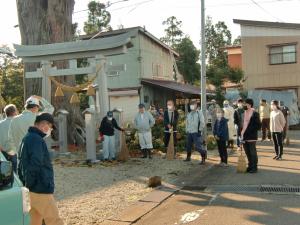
(236, 126)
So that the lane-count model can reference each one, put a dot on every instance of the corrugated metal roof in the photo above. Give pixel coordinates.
(174, 86)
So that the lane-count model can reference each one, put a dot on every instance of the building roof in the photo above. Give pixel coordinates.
(232, 47)
(267, 24)
(229, 84)
(125, 30)
(174, 86)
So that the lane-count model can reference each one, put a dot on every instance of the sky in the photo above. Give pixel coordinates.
(151, 14)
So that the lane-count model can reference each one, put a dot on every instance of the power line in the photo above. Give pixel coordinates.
(123, 7)
(263, 9)
(246, 3)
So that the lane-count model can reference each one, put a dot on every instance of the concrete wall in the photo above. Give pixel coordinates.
(129, 105)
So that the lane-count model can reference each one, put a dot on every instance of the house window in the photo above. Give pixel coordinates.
(282, 54)
(157, 70)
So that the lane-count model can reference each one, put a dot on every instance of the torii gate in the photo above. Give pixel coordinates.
(95, 51)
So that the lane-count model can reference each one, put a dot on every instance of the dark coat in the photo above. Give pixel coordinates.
(238, 119)
(252, 128)
(221, 129)
(35, 167)
(173, 122)
(108, 127)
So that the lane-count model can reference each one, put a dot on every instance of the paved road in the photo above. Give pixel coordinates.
(224, 203)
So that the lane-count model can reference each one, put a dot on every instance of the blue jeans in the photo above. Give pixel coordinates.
(109, 150)
(13, 159)
(196, 139)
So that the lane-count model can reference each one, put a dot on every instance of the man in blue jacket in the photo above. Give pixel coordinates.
(36, 172)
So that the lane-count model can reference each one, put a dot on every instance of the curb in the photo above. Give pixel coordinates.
(135, 212)
(144, 206)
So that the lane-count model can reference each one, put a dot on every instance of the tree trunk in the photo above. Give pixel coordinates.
(44, 22)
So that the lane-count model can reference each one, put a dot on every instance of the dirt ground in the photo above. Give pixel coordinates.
(88, 195)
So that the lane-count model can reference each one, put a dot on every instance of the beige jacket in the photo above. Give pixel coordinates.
(277, 121)
(264, 111)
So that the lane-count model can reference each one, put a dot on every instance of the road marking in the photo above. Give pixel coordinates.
(190, 216)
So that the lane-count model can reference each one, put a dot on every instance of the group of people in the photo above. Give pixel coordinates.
(245, 121)
(144, 121)
(22, 141)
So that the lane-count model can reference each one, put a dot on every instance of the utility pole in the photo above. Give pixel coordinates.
(203, 71)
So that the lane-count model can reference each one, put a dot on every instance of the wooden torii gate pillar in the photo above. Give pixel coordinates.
(95, 51)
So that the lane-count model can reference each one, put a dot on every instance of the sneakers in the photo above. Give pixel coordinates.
(279, 158)
(275, 157)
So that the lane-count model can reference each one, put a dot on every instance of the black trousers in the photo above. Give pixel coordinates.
(167, 138)
(251, 153)
(278, 145)
(265, 128)
(222, 147)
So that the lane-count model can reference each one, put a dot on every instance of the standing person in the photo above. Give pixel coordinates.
(220, 132)
(229, 115)
(264, 112)
(10, 112)
(277, 125)
(20, 124)
(194, 126)
(251, 125)
(238, 120)
(171, 117)
(107, 131)
(212, 109)
(286, 112)
(143, 122)
(36, 172)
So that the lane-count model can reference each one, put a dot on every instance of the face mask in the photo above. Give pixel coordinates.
(48, 133)
(240, 106)
(192, 107)
(219, 115)
(109, 118)
(225, 106)
(170, 107)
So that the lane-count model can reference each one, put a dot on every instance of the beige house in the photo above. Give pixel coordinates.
(270, 55)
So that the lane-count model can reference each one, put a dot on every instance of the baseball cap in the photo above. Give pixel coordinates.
(32, 101)
(45, 117)
(109, 114)
(141, 105)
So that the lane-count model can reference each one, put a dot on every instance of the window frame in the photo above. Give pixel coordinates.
(282, 53)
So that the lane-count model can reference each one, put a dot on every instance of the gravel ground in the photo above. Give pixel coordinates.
(90, 195)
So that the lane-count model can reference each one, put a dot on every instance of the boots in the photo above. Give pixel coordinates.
(188, 157)
(144, 151)
(149, 153)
